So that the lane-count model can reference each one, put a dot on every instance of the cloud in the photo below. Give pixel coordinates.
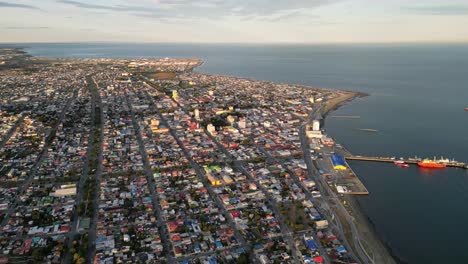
(445, 10)
(25, 27)
(14, 5)
(205, 8)
(89, 6)
(118, 8)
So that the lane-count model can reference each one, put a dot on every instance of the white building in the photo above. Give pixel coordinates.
(242, 123)
(211, 129)
(316, 125)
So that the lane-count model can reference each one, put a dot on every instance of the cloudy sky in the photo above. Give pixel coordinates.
(234, 21)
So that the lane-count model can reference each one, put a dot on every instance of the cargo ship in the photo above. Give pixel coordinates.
(431, 164)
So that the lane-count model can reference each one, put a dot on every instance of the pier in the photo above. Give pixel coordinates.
(454, 164)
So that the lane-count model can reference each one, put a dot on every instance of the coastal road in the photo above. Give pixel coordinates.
(330, 194)
(308, 194)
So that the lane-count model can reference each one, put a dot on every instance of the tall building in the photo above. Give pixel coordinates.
(316, 125)
(242, 123)
(230, 119)
(155, 123)
(211, 129)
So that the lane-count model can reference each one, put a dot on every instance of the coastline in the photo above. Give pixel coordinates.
(380, 250)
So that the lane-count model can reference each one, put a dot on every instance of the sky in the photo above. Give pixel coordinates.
(234, 21)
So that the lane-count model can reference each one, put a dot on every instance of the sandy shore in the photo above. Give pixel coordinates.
(371, 242)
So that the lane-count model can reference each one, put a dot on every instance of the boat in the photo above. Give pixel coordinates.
(401, 163)
(431, 164)
(466, 109)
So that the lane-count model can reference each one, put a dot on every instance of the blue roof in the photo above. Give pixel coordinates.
(315, 215)
(311, 244)
(337, 160)
(341, 249)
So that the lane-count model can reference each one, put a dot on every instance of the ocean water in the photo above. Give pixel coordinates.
(417, 93)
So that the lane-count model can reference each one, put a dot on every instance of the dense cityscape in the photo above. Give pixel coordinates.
(149, 161)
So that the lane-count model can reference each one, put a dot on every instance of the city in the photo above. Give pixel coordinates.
(233, 132)
(107, 161)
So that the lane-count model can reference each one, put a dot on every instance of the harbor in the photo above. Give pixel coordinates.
(453, 164)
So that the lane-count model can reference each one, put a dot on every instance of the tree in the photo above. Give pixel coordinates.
(243, 259)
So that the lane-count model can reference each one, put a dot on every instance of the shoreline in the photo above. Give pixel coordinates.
(366, 227)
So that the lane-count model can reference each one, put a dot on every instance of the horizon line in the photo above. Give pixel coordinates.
(240, 43)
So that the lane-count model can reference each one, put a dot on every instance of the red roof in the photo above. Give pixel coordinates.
(235, 214)
(318, 259)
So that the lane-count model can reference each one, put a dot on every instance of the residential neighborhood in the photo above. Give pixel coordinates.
(147, 161)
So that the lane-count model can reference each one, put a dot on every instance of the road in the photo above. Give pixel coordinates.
(165, 238)
(12, 130)
(331, 195)
(84, 177)
(273, 204)
(201, 176)
(98, 176)
(48, 140)
(240, 166)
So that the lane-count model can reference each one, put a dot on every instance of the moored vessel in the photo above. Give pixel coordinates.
(431, 164)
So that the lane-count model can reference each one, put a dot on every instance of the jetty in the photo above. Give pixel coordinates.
(368, 130)
(454, 164)
(343, 116)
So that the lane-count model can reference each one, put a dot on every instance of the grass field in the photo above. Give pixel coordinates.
(163, 76)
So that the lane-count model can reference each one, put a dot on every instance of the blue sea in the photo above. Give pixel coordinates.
(417, 93)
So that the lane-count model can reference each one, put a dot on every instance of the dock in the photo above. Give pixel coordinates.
(453, 164)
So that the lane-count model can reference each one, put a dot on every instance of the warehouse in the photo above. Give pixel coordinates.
(338, 162)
